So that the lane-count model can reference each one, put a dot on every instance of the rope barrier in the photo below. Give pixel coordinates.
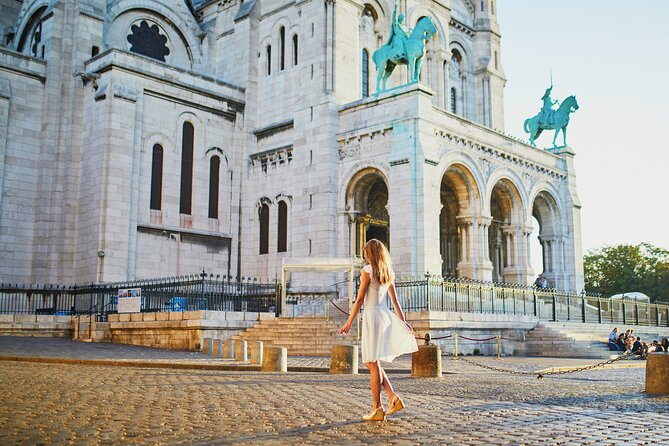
(539, 375)
(478, 340)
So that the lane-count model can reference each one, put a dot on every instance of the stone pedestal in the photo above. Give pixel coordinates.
(217, 348)
(256, 352)
(657, 373)
(426, 362)
(207, 345)
(344, 359)
(241, 351)
(275, 359)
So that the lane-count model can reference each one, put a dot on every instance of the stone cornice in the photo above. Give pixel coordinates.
(498, 154)
(7, 57)
(114, 58)
(455, 24)
(269, 130)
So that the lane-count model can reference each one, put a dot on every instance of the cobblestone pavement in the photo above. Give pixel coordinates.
(81, 404)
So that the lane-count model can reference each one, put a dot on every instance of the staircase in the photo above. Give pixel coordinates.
(547, 341)
(303, 336)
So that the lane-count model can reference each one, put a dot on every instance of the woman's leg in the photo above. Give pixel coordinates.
(387, 386)
(375, 383)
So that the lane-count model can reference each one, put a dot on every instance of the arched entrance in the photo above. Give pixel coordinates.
(367, 201)
(506, 235)
(457, 230)
(545, 211)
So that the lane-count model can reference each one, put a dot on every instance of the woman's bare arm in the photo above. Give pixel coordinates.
(362, 291)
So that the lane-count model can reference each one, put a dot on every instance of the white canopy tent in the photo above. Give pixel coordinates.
(634, 295)
(321, 265)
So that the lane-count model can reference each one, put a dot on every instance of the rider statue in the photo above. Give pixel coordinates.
(398, 35)
(546, 114)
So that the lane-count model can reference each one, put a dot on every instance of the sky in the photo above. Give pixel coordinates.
(613, 55)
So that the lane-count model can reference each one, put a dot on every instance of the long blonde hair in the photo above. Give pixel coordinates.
(378, 257)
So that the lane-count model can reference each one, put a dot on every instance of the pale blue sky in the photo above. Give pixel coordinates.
(614, 56)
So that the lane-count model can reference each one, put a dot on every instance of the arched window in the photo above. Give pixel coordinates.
(456, 81)
(214, 170)
(269, 59)
(157, 177)
(365, 73)
(30, 41)
(282, 240)
(295, 49)
(187, 139)
(282, 48)
(146, 39)
(264, 229)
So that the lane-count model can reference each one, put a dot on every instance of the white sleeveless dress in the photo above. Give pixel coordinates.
(384, 335)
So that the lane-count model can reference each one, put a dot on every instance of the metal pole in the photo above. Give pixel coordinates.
(499, 347)
(283, 291)
(455, 337)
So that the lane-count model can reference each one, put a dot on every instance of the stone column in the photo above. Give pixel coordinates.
(513, 241)
(486, 268)
(466, 267)
(554, 262)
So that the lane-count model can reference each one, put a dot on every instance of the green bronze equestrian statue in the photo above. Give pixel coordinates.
(404, 47)
(550, 119)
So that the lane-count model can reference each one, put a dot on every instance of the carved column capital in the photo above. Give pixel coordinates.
(464, 220)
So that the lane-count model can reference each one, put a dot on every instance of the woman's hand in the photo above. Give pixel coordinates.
(345, 328)
(409, 327)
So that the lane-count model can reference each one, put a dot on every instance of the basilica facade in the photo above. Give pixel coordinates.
(150, 138)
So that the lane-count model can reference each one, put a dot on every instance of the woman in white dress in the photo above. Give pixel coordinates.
(385, 335)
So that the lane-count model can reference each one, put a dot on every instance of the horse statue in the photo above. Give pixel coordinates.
(414, 49)
(560, 118)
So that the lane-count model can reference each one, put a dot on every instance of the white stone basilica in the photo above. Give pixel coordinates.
(150, 138)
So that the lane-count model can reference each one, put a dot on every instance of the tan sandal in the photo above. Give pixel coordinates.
(395, 406)
(375, 415)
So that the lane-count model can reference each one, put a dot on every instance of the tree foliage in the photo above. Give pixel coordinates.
(624, 268)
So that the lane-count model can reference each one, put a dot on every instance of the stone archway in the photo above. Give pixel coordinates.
(367, 201)
(507, 238)
(545, 211)
(460, 235)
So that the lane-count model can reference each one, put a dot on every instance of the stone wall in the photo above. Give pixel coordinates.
(179, 330)
(36, 325)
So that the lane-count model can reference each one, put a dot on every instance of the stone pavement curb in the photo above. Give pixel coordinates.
(172, 365)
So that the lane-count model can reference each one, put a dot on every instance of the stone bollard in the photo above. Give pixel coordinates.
(426, 362)
(241, 351)
(657, 373)
(256, 352)
(274, 359)
(344, 359)
(207, 345)
(229, 351)
(217, 348)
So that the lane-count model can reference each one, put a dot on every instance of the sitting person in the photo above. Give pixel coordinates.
(639, 348)
(665, 344)
(654, 347)
(622, 341)
(613, 337)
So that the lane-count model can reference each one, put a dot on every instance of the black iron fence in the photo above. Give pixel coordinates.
(429, 293)
(182, 293)
(432, 293)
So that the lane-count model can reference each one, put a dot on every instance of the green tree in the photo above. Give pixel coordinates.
(623, 268)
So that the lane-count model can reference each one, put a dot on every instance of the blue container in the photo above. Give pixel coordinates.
(176, 304)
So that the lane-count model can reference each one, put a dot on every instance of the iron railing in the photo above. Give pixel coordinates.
(433, 293)
(181, 293)
(428, 293)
